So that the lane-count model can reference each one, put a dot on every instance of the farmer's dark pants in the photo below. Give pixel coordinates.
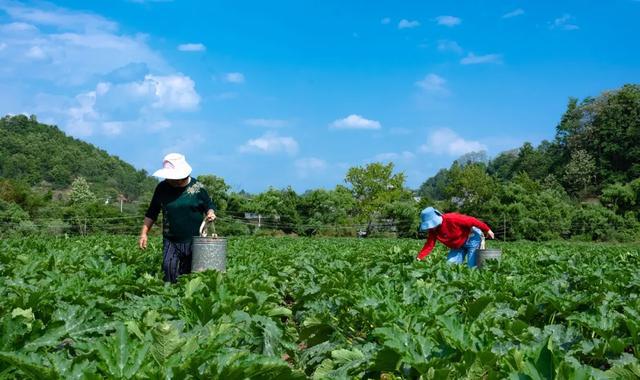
(176, 259)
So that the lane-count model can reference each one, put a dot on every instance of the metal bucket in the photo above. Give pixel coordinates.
(209, 253)
(485, 255)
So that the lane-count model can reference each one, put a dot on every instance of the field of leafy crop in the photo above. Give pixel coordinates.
(295, 308)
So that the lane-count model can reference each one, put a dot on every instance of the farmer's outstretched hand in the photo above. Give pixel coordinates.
(142, 243)
(491, 235)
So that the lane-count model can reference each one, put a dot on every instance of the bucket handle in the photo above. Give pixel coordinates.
(204, 229)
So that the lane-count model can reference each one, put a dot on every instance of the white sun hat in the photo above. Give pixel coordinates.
(174, 166)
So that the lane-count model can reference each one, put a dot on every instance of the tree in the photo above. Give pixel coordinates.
(579, 172)
(502, 165)
(238, 203)
(326, 211)
(11, 215)
(469, 187)
(373, 187)
(533, 161)
(404, 215)
(479, 157)
(20, 193)
(571, 131)
(620, 198)
(607, 128)
(80, 192)
(434, 188)
(278, 207)
(218, 191)
(81, 198)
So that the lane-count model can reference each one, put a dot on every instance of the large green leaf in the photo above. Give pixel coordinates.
(30, 365)
(121, 357)
(166, 341)
(70, 321)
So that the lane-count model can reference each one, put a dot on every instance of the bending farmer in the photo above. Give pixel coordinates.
(183, 201)
(462, 233)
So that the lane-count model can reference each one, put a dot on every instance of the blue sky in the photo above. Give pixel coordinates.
(296, 92)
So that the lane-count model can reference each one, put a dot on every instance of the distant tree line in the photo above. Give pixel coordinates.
(584, 184)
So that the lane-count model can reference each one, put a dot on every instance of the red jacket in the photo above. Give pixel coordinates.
(453, 232)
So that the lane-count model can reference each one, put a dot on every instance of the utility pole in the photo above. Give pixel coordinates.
(121, 199)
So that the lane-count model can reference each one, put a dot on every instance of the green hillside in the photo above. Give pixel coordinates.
(44, 156)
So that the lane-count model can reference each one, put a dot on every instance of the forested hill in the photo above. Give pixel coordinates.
(596, 150)
(43, 156)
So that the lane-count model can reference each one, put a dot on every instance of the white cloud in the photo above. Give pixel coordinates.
(36, 53)
(225, 96)
(407, 24)
(184, 144)
(192, 47)
(385, 21)
(514, 13)
(51, 15)
(266, 123)
(167, 93)
(355, 122)
(308, 166)
(234, 78)
(160, 125)
(18, 27)
(448, 20)
(472, 59)
(124, 84)
(311, 163)
(566, 22)
(449, 46)
(172, 92)
(72, 58)
(102, 88)
(402, 156)
(270, 143)
(83, 116)
(433, 84)
(344, 166)
(112, 108)
(446, 141)
(113, 128)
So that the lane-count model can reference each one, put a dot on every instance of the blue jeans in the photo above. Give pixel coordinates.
(469, 249)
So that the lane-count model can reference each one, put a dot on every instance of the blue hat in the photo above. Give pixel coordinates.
(429, 218)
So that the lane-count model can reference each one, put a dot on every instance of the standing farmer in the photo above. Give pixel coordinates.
(183, 201)
(462, 233)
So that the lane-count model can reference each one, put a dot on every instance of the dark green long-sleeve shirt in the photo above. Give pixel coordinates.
(183, 209)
